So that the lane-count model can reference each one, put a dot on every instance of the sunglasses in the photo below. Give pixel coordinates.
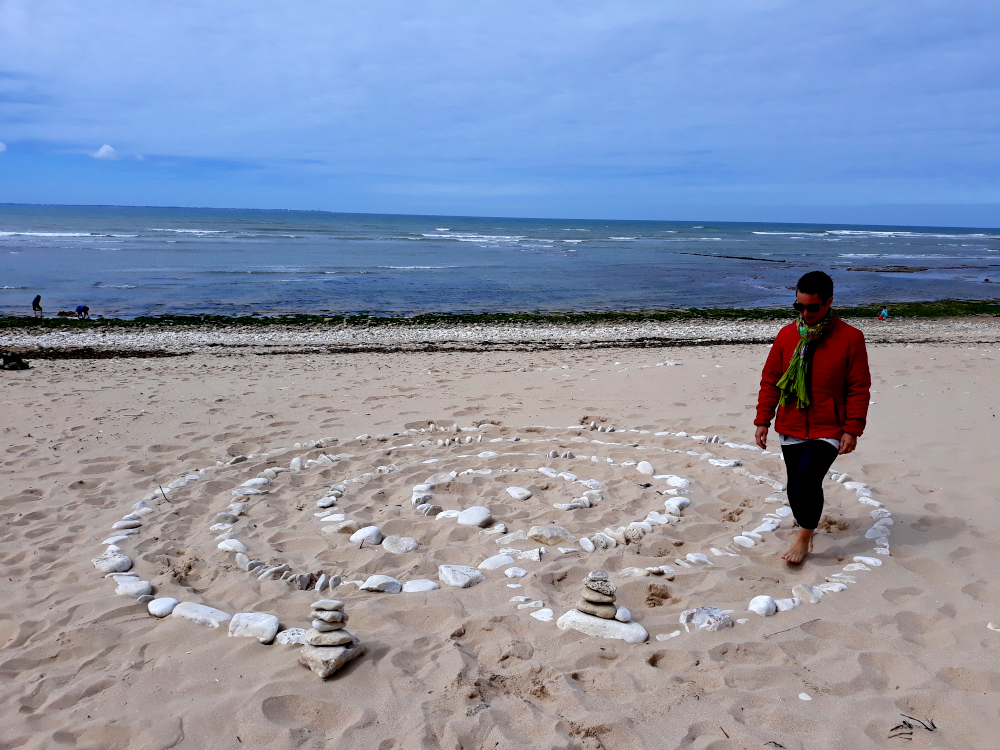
(813, 308)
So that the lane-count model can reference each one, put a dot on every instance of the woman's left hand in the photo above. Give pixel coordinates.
(848, 443)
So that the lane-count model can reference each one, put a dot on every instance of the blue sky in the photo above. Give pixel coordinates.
(884, 112)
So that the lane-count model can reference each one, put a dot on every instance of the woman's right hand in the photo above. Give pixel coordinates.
(761, 437)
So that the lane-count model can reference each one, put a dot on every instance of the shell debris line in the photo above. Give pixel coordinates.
(661, 527)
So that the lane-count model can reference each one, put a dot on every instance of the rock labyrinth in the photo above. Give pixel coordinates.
(457, 506)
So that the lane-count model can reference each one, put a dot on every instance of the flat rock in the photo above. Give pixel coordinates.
(162, 607)
(460, 576)
(519, 493)
(515, 572)
(514, 536)
(497, 561)
(325, 661)
(134, 588)
(336, 638)
(548, 534)
(400, 545)
(232, 545)
(257, 625)
(291, 637)
(477, 515)
(368, 534)
(604, 611)
(630, 632)
(135, 524)
(385, 584)
(418, 585)
(112, 562)
(200, 614)
(706, 618)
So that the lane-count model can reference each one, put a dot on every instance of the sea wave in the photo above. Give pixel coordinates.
(190, 231)
(14, 287)
(63, 234)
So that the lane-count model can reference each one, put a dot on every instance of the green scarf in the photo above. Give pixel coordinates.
(793, 382)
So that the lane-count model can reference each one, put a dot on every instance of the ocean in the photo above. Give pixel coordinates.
(127, 262)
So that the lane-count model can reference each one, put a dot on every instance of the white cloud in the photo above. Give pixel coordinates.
(105, 152)
(3, 147)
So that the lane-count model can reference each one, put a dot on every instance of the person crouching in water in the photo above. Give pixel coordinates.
(817, 378)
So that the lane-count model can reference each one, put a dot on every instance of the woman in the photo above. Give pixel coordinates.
(817, 378)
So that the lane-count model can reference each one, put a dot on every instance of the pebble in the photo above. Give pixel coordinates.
(162, 607)
(370, 534)
(257, 625)
(326, 502)
(495, 562)
(429, 509)
(477, 515)
(744, 541)
(764, 606)
(200, 614)
(807, 593)
(545, 615)
(873, 561)
(667, 636)
(515, 572)
(785, 605)
(633, 572)
(145, 598)
(232, 545)
(341, 527)
(531, 605)
(400, 545)
(460, 576)
(753, 535)
(296, 464)
(850, 568)
(126, 524)
(385, 584)
(519, 493)
(221, 527)
(623, 615)
(327, 627)
(116, 539)
(242, 561)
(112, 562)
(630, 632)
(697, 557)
(706, 618)
(420, 584)
(134, 588)
(586, 545)
(291, 637)
(644, 467)
(548, 534)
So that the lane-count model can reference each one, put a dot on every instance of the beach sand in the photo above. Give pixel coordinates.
(464, 668)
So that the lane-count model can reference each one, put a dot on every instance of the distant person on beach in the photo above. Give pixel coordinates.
(884, 315)
(817, 378)
(36, 306)
(83, 312)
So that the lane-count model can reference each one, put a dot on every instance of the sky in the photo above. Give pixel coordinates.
(748, 110)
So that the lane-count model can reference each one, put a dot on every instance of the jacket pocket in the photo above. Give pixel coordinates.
(823, 416)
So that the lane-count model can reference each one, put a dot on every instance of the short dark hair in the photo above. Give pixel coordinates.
(818, 283)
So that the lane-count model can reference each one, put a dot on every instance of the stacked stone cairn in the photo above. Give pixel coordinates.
(598, 596)
(328, 646)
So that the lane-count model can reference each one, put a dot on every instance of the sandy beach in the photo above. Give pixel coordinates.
(903, 657)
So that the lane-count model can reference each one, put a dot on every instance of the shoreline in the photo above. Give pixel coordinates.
(101, 342)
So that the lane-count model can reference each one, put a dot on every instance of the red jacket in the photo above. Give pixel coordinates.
(841, 385)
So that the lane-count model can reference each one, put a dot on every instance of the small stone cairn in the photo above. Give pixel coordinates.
(328, 646)
(598, 596)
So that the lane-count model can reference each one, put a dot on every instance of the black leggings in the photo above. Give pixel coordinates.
(807, 464)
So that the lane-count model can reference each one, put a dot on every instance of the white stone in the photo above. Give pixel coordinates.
(603, 540)
(877, 531)
(764, 606)
(296, 464)
(706, 618)
(785, 605)
(477, 515)
(545, 615)
(768, 525)
(674, 481)
(370, 534)
(568, 476)
(667, 636)
(630, 632)
(442, 478)
(232, 545)
(586, 545)
(418, 585)
(783, 512)
(200, 614)
(519, 493)
(832, 587)
(548, 534)
(291, 637)
(531, 605)
(400, 545)
(447, 514)
(805, 697)
(697, 557)
(880, 513)
(623, 615)
(753, 535)
(426, 487)
(514, 572)
(873, 561)
(726, 463)
(807, 593)
(116, 539)
(497, 561)
(162, 607)
(380, 583)
(721, 553)
(632, 572)
(257, 625)
(744, 541)
(514, 536)
(126, 525)
(869, 501)
(112, 561)
(460, 576)
(855, 566)
(644, 467)
(134, 588)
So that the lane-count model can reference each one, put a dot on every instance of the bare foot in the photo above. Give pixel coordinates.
(802, 545)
